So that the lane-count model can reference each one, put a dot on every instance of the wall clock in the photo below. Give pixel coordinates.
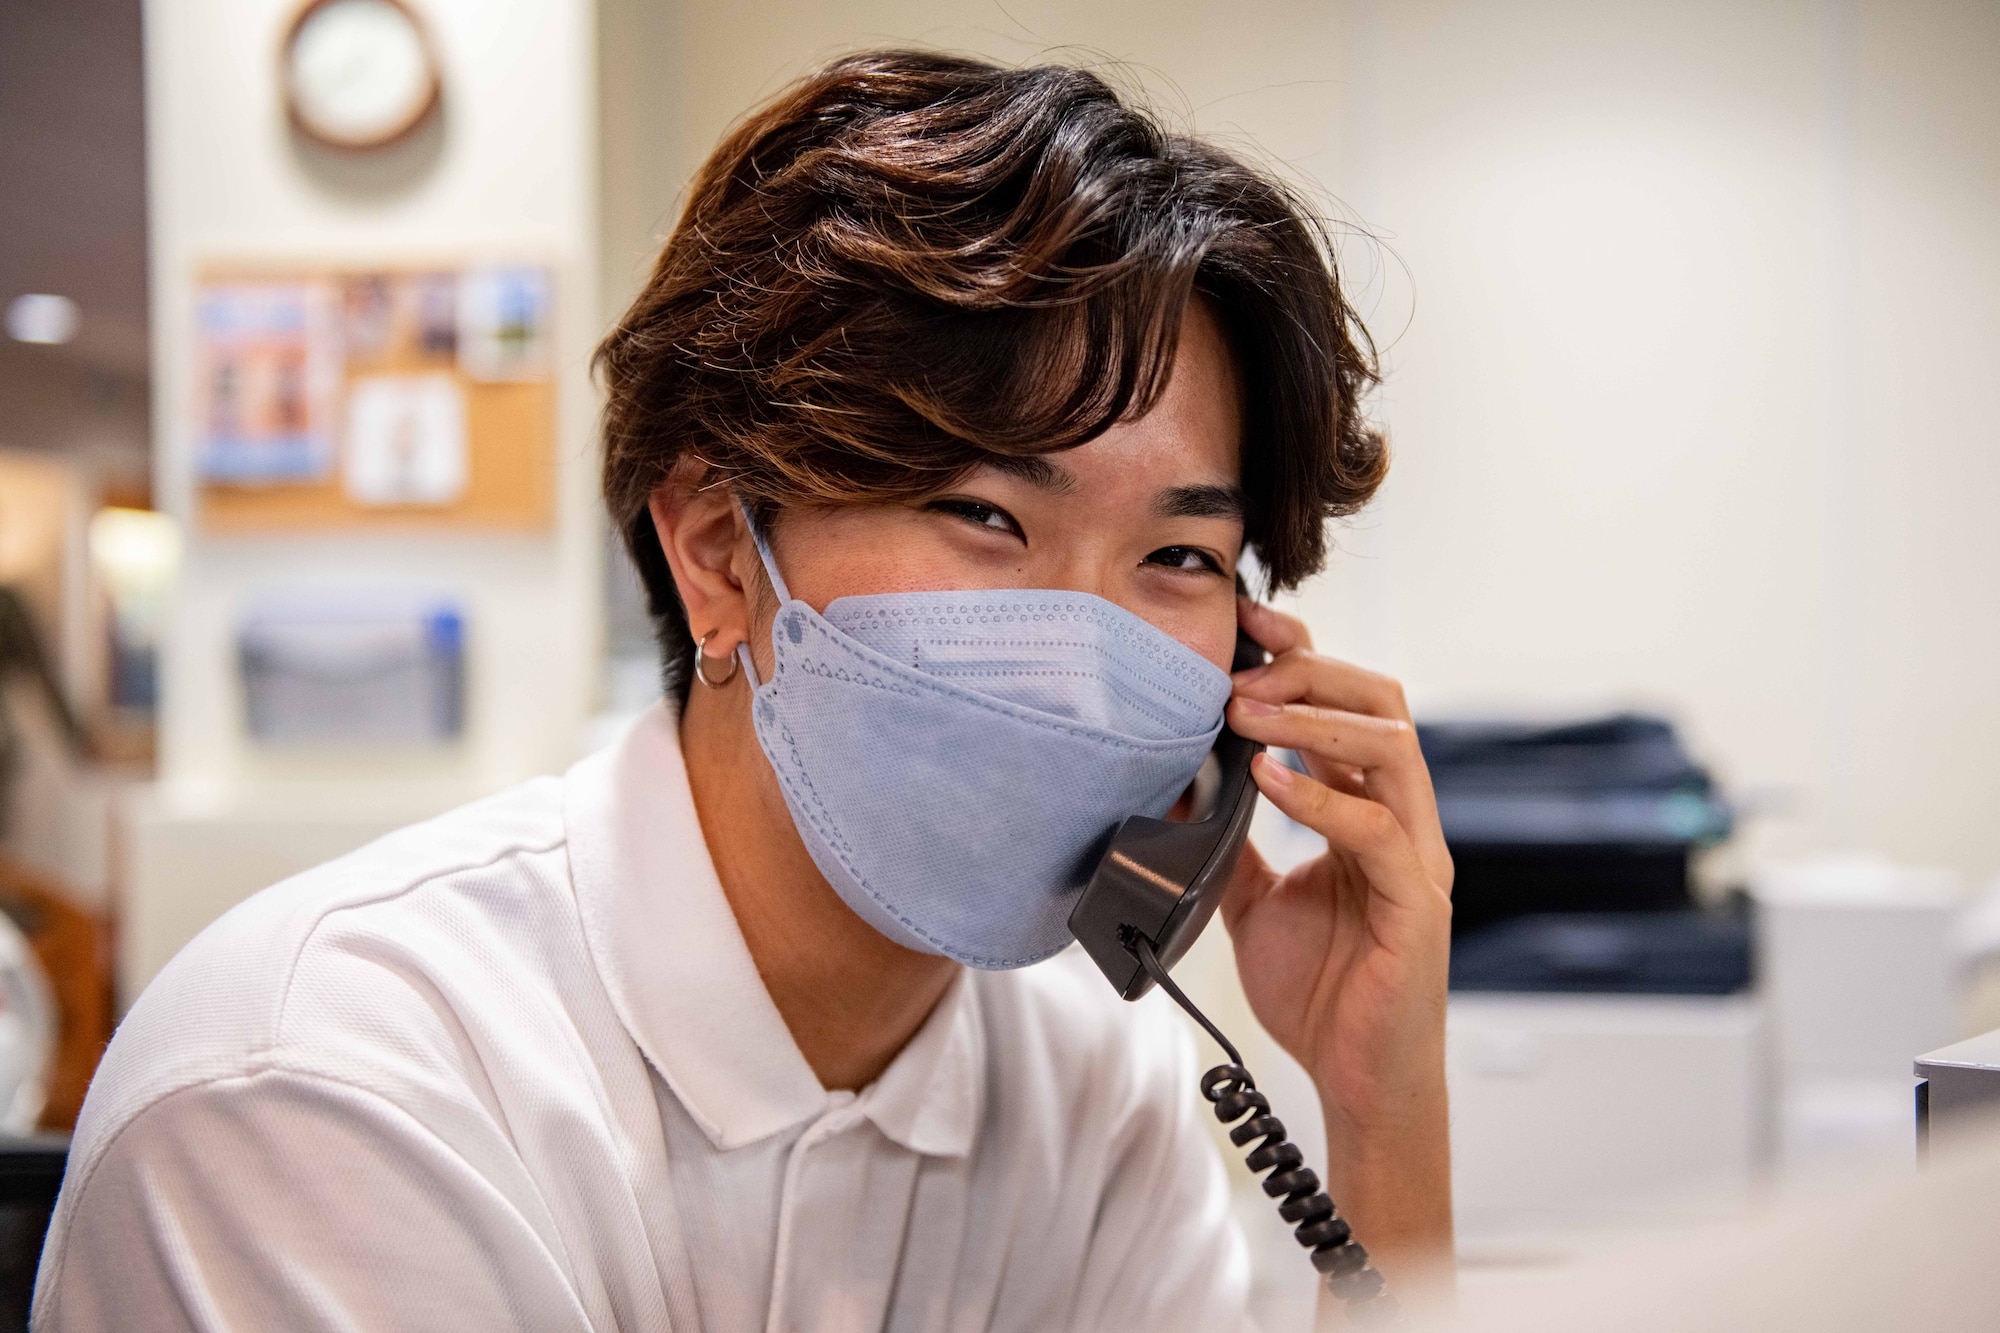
(358, 74)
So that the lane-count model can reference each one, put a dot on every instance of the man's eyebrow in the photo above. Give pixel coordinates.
(1036, 471)
(1201, 502)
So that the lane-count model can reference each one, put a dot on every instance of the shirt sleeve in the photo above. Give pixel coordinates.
(288, 1200)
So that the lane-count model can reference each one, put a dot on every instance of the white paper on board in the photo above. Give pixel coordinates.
(406, 440)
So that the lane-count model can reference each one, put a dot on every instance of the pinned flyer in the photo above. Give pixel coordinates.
(503, 323)
(268, 358)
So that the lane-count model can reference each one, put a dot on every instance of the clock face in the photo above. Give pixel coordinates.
(359, 73)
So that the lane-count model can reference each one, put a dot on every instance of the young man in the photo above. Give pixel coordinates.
(936, 435)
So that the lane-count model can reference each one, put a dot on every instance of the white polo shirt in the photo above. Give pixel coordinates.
(515, 1069)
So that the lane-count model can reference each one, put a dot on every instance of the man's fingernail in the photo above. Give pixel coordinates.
(1257, 707)
(1249, 674)
(1274, 772)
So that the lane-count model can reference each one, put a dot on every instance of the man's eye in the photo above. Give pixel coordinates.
(1184, 557)
(978, 512)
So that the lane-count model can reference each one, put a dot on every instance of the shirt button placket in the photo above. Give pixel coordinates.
(801, 1203)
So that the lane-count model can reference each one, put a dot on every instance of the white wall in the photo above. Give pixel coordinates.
(676, 74)
(513, 174)
(1687, 310)
(1688, 406)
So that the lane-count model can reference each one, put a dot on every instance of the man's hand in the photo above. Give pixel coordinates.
(1345, 959)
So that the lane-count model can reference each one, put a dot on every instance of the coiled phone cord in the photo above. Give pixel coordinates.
(1318, 1226)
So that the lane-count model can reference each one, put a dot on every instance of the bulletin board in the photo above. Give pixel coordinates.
(374, 397)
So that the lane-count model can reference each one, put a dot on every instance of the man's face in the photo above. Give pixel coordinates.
(1149, 515)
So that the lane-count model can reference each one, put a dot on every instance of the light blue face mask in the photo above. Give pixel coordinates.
(956, 761)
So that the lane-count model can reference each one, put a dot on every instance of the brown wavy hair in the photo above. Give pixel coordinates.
(907, 263)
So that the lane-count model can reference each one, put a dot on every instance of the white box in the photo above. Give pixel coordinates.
(1570, 1111)
(1856, 956)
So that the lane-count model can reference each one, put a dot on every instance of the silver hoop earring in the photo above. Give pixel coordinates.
(701, 655)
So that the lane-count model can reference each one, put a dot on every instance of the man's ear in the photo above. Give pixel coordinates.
(703, 532)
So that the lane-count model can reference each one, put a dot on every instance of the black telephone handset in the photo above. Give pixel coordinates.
(1164, 878)
(1153, 890)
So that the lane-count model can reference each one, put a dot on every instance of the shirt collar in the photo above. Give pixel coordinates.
(680, 976)
(928, 1098)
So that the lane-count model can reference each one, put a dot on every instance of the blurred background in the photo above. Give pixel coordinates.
(1687, 556)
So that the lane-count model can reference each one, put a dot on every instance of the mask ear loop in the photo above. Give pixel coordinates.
(770, 563)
